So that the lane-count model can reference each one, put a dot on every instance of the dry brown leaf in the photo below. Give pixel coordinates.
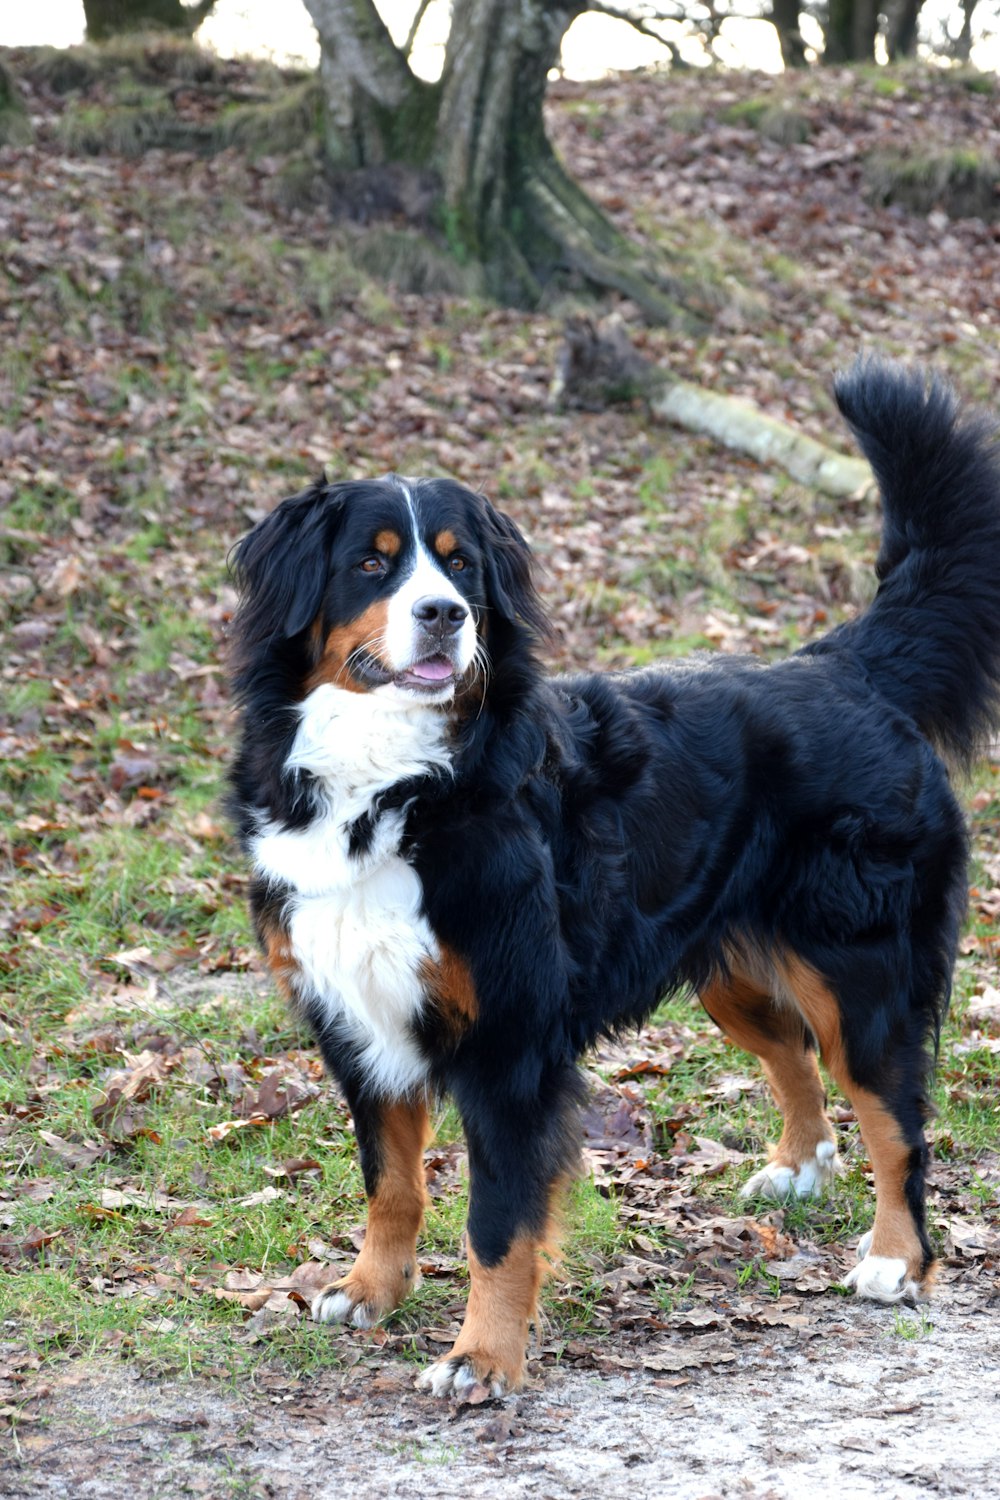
(264, 1195)
(688, 1357)
(190, 1217)
(72, 1154)
(293, 1167)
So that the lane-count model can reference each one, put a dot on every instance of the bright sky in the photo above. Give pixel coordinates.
(281, 29)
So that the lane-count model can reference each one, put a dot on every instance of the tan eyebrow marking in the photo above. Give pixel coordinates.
(445, 543)
(388, 543)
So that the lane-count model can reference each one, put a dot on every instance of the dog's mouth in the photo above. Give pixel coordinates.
(430, 676)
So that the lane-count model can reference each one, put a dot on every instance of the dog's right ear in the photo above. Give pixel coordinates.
(280, 568)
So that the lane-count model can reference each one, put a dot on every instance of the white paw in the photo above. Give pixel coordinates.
(455, 1377)
(881, 1277)
(810, 1179)
(334, 1306)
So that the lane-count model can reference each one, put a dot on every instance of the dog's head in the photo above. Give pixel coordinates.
(398, 587)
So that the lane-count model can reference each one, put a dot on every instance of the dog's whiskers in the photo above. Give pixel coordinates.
(369, 648)
(482, 670)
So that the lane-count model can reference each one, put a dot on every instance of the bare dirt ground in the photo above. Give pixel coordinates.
(850, 1406)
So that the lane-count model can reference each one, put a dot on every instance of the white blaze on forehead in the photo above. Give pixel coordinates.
(426, 580)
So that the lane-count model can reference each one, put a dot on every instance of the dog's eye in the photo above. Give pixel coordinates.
(456, 563)
(372, 565)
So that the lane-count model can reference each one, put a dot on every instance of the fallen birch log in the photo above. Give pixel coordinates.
(598, 367)
(739, 425)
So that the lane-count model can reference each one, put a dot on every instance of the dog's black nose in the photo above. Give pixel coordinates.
(440, 616)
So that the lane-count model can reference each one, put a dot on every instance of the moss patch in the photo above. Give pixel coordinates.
(964, 183)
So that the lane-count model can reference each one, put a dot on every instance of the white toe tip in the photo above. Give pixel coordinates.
(436, 1379)
(810, 1179)
(882, 1278)
(451, 1377)
(332, 1307)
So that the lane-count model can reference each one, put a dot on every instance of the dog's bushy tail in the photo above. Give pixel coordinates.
(931, 638)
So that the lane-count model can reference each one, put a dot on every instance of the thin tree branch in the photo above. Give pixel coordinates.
(642, 25)
(641, 22)
(411, 36)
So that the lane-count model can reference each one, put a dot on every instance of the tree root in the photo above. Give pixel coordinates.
(591, 245)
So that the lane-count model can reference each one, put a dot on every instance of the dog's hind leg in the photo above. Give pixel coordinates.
(895, 1260)
(804, 1162)
(391, 1139)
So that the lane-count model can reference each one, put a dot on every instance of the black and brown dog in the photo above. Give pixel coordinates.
(464, 871)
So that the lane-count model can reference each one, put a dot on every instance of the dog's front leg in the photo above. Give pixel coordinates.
(490, 1349)
(391, 1139)
(520, 1156)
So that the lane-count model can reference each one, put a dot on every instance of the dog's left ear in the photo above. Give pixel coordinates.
(509, 582)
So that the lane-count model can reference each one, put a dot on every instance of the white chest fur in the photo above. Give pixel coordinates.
(355, 923)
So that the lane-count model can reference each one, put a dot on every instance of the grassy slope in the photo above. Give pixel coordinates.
(182, 345)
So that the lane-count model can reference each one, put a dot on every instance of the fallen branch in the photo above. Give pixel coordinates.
(598, 367)
(738, 425)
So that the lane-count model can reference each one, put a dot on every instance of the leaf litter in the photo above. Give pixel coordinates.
(709, 1352)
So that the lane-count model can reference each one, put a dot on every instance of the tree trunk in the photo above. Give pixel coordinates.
(785, 18)
(490, 131)
(865, 29)
(902, 37)
(850, 31)
(963, 45)
(506, 201)
(376, 109)
(106, 18)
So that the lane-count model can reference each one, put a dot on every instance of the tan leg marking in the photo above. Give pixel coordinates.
(367, 632)
(385, 1270)
(450, 986)
(490, 1349)
(775, 1033)
(894, 1235)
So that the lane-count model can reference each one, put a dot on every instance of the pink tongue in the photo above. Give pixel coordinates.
(435, 670)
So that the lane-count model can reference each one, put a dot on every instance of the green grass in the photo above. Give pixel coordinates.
(748, 112)
(62, 1318)
(84, 893)
(977, 83)
(911, 1326)
(887, 86)
(674, 1295)
(174, 351)
(278, 124)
